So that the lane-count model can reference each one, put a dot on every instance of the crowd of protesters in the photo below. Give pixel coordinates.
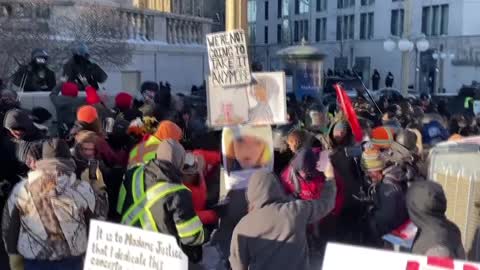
(103, 163)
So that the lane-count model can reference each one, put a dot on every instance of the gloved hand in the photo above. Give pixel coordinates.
(16, 262)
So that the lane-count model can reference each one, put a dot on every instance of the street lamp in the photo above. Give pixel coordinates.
(405, 46)
(389, 45)
(423, 45)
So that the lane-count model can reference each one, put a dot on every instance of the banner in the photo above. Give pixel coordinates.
(375, 259)
(114, 246)
(263, 102)
(228, 58)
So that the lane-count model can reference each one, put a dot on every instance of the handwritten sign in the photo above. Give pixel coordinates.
(118, 247)
(373, 259)
(228, 58)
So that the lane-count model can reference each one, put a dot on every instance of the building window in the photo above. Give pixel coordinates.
(300, 30)
(345, 3)
(282, 8)
(266, 10)
(252, 11)
(252, 33)
(265, 35)
(396, 23)
(321, 5)
(279, 33)
(364, 3)
(321, 29)
(279, 8)
(366, 25)
(286, 31)
(302, 6)
(435, 20)
(345, 27)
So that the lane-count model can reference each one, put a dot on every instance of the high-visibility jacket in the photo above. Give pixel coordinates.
(160, 207)
(143, 152)
(467, 101)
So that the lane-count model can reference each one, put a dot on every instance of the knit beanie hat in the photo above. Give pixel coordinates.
(87, 114)
(92, 96)
(69, 89)
(123, 101)
(371, 160)
(382, 137)
(168, 130)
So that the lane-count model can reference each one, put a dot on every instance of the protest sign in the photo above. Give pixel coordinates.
(375, 259)
(263, 102)
(226, 108)
(118, 247)
(245, 150)
(228, 58)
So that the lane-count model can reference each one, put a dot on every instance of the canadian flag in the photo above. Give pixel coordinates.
(436, 263)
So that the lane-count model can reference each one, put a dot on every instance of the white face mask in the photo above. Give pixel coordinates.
(40, 60)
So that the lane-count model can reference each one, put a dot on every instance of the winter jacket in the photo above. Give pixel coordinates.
(199, 199)
(47, 214)
(91, 71)
(272, 235)
(389, 209)
(66, 108)
(34, 79)
(436, 235)
(168, 211)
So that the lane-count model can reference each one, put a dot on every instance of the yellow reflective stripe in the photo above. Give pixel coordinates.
(151, 202)
(149, 156)
(121, 198)
(133, 153)
(189, 228)
(465, 103)
(152, 140)
(138, 188)
(137, 207)
(153, 224)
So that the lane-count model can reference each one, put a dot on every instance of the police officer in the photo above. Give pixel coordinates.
(81, 70)
(35, 76)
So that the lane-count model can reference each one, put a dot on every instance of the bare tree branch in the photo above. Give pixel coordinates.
(27, 25)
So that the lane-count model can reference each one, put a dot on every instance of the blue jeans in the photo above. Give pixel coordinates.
(73, 263)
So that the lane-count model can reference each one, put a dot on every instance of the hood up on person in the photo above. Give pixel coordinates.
(436, 236)
(168, 163)
(264, 189)
(18, 119)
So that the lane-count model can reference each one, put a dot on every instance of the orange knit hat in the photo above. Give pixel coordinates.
(382, 137)
(87, 114)
(168, 130)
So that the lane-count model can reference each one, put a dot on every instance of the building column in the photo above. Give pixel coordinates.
(406, 55)
(236, 15)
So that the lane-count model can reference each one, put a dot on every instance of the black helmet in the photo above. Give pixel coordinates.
(81, 49)
(407, 138)
(39, 53)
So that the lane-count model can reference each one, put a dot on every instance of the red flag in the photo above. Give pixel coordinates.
(347, 108)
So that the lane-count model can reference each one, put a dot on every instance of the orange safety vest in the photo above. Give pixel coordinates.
(143, 152)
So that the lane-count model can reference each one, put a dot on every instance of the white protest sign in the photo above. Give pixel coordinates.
(118, 247)
(375, 259)
(228, 58)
